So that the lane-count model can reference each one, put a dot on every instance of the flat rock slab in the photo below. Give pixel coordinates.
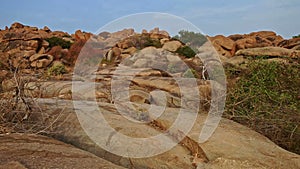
(22, 151)
(231, 145)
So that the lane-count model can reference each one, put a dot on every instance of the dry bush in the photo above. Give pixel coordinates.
(20, 111)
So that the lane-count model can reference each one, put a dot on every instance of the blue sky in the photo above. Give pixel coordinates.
(211, 16)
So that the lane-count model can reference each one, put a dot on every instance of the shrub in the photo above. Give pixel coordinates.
(151, 42)
(193, 39)
(186, 51)
(266, 99)
(57, 69)
(56, 41)
(297, 36)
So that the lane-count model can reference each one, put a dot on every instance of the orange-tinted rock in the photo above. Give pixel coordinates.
(225, 46)
(16, 25)
(122, 34)
(46, 29)
(256, 39)
(291, 43)
(56, 52)
(269, 51)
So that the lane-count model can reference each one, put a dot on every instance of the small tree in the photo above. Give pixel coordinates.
(192, 39)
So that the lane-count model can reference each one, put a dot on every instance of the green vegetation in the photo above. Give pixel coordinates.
(151, 42)
(58, 69)
(56, 41)
(192, 39)
(266, 98)
(298, 36)
(186, 51)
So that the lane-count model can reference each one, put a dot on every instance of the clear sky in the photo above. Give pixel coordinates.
(211, 16)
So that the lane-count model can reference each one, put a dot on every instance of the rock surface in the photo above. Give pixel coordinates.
(270, 52)
(231, 145)
(22, 151)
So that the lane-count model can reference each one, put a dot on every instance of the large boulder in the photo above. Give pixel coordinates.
(224, 46)
(122, 34)
(40, 60)
(231, 146)
(172, 46)
(291, 43)
(24, 151)
(270, 51)
(157, 31)
(79, 35)
(256, 39)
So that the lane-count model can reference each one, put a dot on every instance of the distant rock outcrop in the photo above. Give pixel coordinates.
(227, 46)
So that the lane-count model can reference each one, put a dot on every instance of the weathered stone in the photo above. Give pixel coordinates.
(224, 46)
(144, 31)
(129, 51)
(122, 34)
(42, 51)
(270, 51)
(56, 52)
(231, 146)
(39, 56)
(79, 35)
(46, 29)
(291, 43)
(34, 151)
(296, 47)
(172, 46)
(164, 40)
(28, 54)
(141, 63)
(156, 31)
(40, 60)
(16, 25)
(12, 165)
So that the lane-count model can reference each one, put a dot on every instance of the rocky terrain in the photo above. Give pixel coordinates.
(137, 73)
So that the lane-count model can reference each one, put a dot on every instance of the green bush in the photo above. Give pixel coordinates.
(298, 36)
(193, 39)
(56, 41)
(57, 69)
(186, 51)
(266, 99)
(151, 42)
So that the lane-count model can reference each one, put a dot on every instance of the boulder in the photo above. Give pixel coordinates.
(122, 34)
(112, 54)
(270, 51)
(129, 51)
(231, 145)
(291, 43)
(256, 39)
(46, 29)
(79, 35)
(172, 46)
(12, 165)
(22, 151)
(224, 46)
(296, 47)
(56, 52)
(40, 60)
(161, 32)
(16, 25)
